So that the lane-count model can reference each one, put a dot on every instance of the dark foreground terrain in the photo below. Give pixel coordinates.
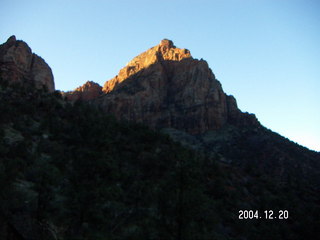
(69, 171)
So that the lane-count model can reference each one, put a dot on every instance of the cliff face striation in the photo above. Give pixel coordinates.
(19, 64)
(165, 87)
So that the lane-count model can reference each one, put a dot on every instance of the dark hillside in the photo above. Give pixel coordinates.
(69, 171)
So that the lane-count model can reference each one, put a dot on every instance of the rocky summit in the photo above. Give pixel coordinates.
(164, 51)
(19, 65)
(88, 91)
(165, 87)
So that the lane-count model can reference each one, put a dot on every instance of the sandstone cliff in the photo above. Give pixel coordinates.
(19, 64)
(165, 87)
(164, 51)
(88, 91)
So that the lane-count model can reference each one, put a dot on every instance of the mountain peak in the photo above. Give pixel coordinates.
(164, 87)
(167, 42)
(11, 39)
(165, 51)
(87, 91)
(166, 45)
(19, 65)
(168, 51)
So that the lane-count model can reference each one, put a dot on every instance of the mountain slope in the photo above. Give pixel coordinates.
(69, 170)
(166, 87)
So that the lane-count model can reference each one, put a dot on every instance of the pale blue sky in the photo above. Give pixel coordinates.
(265, 53)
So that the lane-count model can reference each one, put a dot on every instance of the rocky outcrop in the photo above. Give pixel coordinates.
(165, 87)
(164, 51)
(88, 91)
(19, 64)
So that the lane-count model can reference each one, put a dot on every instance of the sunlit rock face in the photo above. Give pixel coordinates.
(165, 51)
(88, 91)
(19, 64)
(165, 87)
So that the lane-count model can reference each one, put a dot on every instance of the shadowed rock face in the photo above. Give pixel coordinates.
(19, 64)
(165, 87)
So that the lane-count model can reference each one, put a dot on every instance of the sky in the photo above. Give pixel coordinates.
(266, 53)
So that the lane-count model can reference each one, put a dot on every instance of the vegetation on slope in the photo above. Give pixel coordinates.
(69, 171)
